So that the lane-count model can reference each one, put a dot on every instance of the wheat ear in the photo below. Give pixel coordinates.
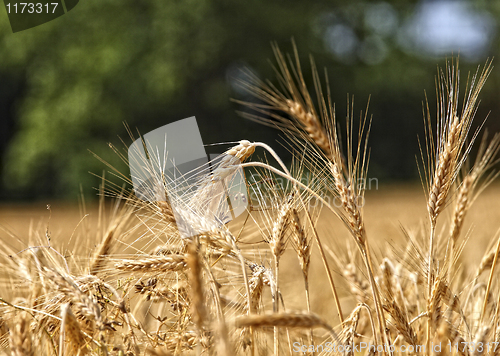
(485, 160)
(162, 263)
(303, 248)
(85, 304)
(99, 258)
(277, 243)
(288, 320)
(71, 332)
(490, 280)
(21, 343)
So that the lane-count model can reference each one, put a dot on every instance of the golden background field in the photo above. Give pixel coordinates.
(386, 210)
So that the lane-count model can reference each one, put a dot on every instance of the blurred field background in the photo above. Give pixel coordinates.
(67, 87)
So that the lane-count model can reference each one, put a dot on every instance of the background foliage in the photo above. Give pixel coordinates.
(67, 86)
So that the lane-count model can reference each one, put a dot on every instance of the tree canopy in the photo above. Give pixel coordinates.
(68, 85)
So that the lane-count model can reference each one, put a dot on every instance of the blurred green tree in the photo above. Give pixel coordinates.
(68, 85)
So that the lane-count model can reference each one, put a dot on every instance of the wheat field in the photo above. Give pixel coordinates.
(325, 265)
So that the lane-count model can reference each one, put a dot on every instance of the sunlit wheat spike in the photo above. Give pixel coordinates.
(278, 238)
(310, 123)
(161, 263)
(227, 166)
(360, 288)
(401, 323)
(242, 151)
(461, 206)
(388, 272)
(257, 281)
(349, 201)
(349, 334)
(453, 128)
(166, 212)
(70, 328)
(446, 168)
